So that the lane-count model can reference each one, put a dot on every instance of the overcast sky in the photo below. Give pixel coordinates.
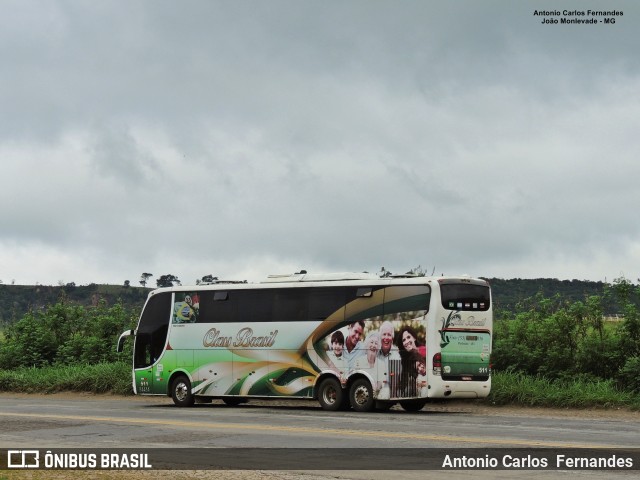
(246, 138)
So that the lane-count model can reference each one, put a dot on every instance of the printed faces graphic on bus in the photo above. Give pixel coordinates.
(391, 352)
(383, 336)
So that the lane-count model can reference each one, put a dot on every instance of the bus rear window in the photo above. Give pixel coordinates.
(463, 296)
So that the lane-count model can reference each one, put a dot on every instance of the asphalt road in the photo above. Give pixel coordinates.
(105, 422)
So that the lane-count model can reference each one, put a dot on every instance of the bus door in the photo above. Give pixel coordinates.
(151, 338)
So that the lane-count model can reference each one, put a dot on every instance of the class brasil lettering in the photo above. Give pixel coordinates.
(244, 338)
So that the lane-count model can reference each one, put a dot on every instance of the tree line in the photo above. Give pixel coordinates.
(170, 280)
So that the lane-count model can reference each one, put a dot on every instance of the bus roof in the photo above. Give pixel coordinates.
(321, 280)
(303, 276)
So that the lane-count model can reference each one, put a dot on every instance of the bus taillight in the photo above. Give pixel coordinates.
(437, 364)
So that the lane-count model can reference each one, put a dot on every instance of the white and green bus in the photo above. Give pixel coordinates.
(347, 340)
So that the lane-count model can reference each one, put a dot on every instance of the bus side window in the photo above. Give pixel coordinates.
(218, 306)
(254, 305)
(406, 298)
(325, 302)
(290, 305)
(363, 302)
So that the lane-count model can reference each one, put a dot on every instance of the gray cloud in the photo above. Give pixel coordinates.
(236, 138)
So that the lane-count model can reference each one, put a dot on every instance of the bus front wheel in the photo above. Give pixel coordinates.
(361, 395)
(330, 395)
(181, 391)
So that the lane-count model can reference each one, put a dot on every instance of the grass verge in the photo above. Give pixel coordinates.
(101, 378)
(520, 389)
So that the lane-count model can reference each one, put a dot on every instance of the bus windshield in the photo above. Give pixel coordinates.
(465, 296)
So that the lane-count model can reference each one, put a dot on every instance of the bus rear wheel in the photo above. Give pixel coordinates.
(413, 405)
(361, 395)
(330, 395)
(181, 391)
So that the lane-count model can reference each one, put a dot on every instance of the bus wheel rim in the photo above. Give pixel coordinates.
(330, 395)
(361, 395)
(181, 391)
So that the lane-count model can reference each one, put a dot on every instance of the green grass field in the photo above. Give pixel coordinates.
(102, 378)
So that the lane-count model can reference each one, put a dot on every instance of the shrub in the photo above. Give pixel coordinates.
(629, 376)
(66, 334)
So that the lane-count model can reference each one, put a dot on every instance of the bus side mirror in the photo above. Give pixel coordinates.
(122, 338)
